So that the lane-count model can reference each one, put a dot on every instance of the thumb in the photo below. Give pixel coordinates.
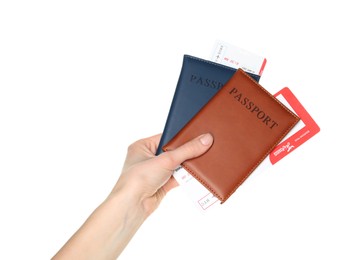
(189, 150)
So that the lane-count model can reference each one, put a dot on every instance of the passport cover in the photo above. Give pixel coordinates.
(198, 82)
(247, 122)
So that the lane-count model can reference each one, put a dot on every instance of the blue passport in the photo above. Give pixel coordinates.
(198, 82)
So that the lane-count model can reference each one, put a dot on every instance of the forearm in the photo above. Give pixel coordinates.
(107, 231)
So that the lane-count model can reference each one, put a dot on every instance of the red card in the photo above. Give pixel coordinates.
(306, 129)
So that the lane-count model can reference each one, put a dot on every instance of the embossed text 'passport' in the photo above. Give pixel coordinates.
(247, 122)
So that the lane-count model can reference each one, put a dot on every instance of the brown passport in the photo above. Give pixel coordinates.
(247, 122)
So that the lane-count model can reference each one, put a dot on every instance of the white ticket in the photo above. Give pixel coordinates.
(235, 57)
(202, 198)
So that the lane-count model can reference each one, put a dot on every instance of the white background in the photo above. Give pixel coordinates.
(81, 80)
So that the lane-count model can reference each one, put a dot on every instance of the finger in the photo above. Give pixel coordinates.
(152, 143)
(141, 150)
(148, 144)
(189, 150)
(172, 183)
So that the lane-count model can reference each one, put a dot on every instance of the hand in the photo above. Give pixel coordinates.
(144, 181)
(148, 176)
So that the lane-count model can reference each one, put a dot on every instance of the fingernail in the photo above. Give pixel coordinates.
(206, 139)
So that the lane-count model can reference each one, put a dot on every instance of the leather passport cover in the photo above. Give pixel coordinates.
(247, 122)
(198, 82)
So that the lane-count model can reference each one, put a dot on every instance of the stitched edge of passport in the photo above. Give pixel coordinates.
(225, 67)
(211, 62)
(206, 185)
(261, 159)
(200, 180)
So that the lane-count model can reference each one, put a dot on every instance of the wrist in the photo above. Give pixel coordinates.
(133, 197)
(122, 200)
(121, 216)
